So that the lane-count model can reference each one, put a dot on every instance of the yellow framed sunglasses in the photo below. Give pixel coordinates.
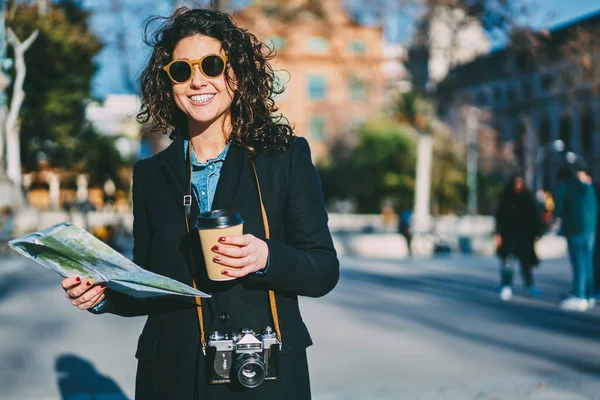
(182, 71)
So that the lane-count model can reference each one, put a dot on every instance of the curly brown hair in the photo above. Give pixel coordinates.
(255, 124)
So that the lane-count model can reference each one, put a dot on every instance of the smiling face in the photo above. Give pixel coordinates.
(204, 101)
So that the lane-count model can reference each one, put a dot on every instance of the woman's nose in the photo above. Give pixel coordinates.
(198, 80)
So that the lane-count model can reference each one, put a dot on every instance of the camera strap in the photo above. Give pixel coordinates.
(268, 236)
(187, 205)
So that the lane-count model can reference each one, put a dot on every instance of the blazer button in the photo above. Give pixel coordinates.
(224, 317)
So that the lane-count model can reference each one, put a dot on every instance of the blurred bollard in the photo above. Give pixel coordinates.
(464, 245)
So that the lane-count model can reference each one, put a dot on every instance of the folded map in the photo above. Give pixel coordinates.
(71, 251)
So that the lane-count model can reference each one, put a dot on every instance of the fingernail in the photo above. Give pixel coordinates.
(224, 272)
(215, 248)
(216, 259)
(78, 279)
(221, 239)
(103, 285)
(88, 283)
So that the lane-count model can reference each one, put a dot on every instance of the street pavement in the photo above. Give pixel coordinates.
(426, 328)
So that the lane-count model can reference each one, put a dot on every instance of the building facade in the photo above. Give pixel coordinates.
(531, 96)
(331, 67)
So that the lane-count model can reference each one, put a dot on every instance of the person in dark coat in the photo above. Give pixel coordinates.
(209, 84)
(518, 225)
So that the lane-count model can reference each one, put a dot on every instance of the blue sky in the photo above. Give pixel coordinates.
(545, 13)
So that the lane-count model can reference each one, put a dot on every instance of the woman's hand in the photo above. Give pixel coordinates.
(83, 294)
(248, 254)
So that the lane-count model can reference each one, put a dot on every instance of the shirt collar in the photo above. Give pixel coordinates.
(196, 163)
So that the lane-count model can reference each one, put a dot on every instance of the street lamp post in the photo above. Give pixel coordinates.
(472, 159)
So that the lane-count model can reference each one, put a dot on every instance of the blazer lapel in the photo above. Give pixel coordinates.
(230, 182)
(173, 166)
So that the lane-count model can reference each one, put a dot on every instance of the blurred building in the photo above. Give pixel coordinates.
(116, 117)
(444, 38)
(531, 95)
(331, 67)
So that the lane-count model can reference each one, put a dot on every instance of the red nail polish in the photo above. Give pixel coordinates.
(221, 239)
(103, 285)
(78, 279)
(216, 259)
(215, 248)
(224, 272)
(88, 283)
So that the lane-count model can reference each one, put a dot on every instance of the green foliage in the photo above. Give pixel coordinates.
(59, 72)
(448, 180)
(380, 167)
(100, 159)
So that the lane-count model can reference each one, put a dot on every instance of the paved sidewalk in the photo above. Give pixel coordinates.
(412, 329)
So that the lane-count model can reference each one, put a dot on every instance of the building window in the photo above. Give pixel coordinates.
(568, 80)
(587, 131)
(498, 94)
(281, 79)
(512, 95)
(276, 42)
(548, 81)
(316, 127)
(317, 45)
(357, 46)
(481, 97)
(358, 89)
(544, 133)
(565, 130)
(317, 87)
(527, 90)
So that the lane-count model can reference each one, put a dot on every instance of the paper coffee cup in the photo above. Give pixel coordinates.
(211, 226)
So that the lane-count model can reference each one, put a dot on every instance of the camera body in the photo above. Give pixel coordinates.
(244, 356)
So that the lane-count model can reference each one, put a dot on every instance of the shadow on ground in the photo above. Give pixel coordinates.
(79, 379)
(484, 319)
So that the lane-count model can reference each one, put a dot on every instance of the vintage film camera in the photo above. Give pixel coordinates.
(245, 356)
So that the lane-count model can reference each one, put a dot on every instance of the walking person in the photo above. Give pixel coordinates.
(209, 85)
(405, 228)
(577, 208)
(518, 225)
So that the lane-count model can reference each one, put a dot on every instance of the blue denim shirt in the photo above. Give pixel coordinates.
(205, 177)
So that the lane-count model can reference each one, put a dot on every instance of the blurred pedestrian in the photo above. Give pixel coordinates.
(577, 208)
(596, 294)
(518, 225)
(405, 228)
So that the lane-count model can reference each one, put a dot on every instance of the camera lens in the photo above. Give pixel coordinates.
(250, 370)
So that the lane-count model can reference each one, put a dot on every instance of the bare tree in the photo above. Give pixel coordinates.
(583, 49)
(13, 151)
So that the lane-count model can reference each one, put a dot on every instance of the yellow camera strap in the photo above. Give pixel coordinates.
(268, 236)
(187, 204)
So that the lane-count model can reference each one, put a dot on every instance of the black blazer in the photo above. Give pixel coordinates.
(302, 259)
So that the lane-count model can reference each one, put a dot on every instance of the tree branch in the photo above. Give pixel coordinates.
(18, 94)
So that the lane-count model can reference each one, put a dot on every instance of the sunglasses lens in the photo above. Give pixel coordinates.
(180, 71)
(213, 66)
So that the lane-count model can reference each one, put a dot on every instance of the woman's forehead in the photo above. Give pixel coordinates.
(197, 46)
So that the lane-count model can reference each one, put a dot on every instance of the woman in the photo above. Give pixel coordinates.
(518, 225)
(210, 85)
